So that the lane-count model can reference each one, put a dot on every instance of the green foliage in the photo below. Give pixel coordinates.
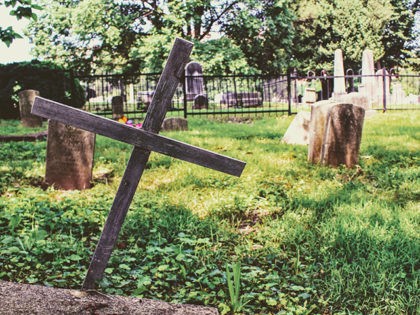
(384, 26)
(50, 80)
(19, 9)
(310, 239)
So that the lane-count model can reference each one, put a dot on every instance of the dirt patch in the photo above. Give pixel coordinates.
(18, 298)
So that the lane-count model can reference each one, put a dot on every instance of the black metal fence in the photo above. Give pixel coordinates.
(239, 95)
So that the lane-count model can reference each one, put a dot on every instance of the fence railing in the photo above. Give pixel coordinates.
(233, 95)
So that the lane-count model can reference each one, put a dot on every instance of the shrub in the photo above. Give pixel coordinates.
(50, 80)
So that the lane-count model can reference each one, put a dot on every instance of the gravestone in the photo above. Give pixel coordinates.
(383, 86)
(69, 159)
(26, 100)
(194, 82)
(175, 124)
(310, 96)
(144, 140)
(319, 112)
(298, 130)
(368, 75)
(339, 79)
(201, 102)
(343, 135)
(117, 104)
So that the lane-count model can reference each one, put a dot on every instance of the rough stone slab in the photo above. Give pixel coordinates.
(19, 299)
(298, 131)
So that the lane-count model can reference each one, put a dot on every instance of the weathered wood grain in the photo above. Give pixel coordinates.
(144, 140)
(138, 137)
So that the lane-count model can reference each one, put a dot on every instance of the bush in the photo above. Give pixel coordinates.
(50, 80)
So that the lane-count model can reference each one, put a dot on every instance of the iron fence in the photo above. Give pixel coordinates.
(251, 95)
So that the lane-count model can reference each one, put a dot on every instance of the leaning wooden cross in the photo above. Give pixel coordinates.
(144, 140)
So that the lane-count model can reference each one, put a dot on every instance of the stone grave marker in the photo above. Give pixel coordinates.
(343, 135)
(69, 159)
(201, 102)
(194, 82)
(175, 124)
(144, 141)
(26, 100)
(368, 72)
(339, 79)
(117, 104)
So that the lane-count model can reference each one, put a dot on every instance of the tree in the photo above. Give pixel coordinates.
(384, 26)
(126, 35)
(262, 29)
(20, 9)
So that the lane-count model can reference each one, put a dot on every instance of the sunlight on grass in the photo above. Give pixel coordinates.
(310, 239)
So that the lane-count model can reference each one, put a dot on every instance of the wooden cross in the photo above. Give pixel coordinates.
(144, 140)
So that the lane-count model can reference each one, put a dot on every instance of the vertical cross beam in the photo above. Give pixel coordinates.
(156, 112)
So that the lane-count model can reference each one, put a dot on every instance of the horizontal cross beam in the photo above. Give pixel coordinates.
(138, 137)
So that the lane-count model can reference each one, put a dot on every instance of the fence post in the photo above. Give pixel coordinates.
(289, 94)
(384, 89)
(184, 91)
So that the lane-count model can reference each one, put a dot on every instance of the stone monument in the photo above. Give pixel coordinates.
(339, 78)
(343, 135)
(117, 104)
(69, 159)
(194, 82)
(26, 100)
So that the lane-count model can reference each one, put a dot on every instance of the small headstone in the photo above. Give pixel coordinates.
(117, 107)
(368, 72)
(343, 135)
(339, 79)
(69, 157)
(298, 131)
(175, 124)
(194, 80)
(319, 112)
(201, 102)
(26, 100)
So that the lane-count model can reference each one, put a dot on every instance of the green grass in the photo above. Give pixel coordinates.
(308, 239)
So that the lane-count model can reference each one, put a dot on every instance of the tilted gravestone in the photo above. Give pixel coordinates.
(343, 135)
(69, 159)
(26, 100)
(144, 141)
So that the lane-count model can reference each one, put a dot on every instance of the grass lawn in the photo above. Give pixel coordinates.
(287, 237)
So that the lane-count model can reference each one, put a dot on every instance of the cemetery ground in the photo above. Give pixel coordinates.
(287, 237)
